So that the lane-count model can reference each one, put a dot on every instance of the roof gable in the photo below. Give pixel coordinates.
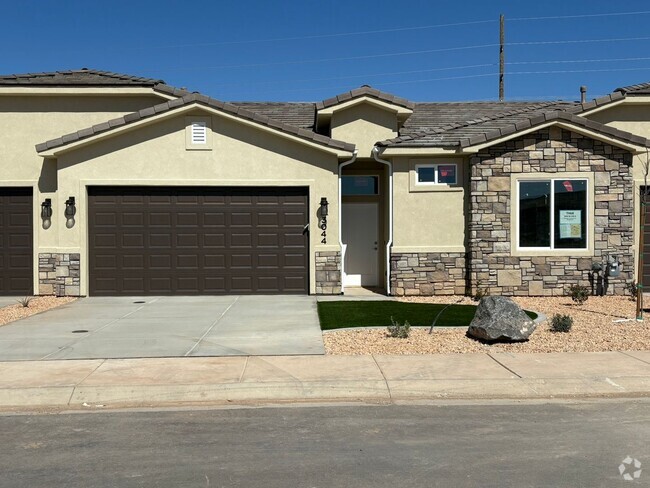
(186, 102)
(365, 91)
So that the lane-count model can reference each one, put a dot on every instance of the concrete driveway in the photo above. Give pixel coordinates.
(131, 327)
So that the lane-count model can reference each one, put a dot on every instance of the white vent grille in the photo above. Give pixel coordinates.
(199, 133)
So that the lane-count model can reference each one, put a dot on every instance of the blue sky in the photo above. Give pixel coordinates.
(310, 50)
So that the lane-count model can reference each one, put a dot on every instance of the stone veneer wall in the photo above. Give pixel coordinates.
(58, 274)
(427, 274)
(551, 151)
(328, 272)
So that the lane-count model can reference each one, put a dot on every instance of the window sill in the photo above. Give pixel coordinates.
(435, 188)
(553, 253)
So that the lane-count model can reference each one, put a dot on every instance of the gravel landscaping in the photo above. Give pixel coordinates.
(593, 330)
(37, 305)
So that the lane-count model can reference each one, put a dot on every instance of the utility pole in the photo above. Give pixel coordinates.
(502, 39)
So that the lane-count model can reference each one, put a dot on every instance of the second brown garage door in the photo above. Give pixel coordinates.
(197, 241)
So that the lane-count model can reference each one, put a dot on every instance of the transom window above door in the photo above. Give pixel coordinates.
(356, 185)
(436, 174)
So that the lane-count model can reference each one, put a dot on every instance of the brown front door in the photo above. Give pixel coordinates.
(197, 241)
(16, 236)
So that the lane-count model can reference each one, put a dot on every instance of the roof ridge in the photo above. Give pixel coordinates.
(90, 71)
(364, 90)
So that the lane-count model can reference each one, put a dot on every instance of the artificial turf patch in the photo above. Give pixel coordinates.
(377, 313)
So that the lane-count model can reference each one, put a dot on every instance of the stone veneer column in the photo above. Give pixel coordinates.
(59, 274)
(553, 151)
(328, 272)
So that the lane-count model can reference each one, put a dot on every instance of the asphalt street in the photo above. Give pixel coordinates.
(455, 445)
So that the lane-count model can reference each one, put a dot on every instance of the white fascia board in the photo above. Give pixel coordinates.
(80, 91)
(421, 151)
(54, 152)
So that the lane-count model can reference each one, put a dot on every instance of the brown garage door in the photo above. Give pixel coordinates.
(16, 250)
(197, 241)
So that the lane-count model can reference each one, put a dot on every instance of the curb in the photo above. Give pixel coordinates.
(323, 391)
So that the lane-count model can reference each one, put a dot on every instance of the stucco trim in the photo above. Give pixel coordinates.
(430, 249)
(79, 91)
(365, 99)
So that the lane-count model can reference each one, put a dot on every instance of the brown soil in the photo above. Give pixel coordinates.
(36, 305)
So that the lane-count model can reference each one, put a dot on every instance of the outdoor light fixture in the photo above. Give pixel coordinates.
(70, 211)
(46, 213)
(323, 207)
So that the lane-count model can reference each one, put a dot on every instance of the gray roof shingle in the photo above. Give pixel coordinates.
(81, 77)
(639, 89)
(478, 130)
(188, 99)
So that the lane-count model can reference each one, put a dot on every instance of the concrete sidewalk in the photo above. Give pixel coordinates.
(160, 381)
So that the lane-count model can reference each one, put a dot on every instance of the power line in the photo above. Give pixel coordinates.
(398, 29)
(605, 60)
(410, 53)
(390, 73)
(579, 16)
(340, 34)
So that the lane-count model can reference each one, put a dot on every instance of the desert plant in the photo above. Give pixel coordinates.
(633, 289)
(400, 331)
(579, 293)
(25, 301)
(561, 323)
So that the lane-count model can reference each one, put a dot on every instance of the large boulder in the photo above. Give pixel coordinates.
(500, 319)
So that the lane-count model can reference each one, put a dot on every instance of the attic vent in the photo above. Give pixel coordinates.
(199, 133)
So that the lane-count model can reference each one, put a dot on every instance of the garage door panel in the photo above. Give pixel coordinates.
(166, 238)
(16, 241)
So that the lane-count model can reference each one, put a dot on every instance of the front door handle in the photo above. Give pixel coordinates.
(305, 229)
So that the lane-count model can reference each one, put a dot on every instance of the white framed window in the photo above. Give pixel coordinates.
(552, 214)
(436, 174)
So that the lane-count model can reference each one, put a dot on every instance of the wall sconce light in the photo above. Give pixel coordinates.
(46, 213)
(323, 207)
(70, 211)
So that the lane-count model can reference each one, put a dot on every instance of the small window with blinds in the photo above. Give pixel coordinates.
(197, 133)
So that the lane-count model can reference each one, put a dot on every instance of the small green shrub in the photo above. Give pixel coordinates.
(633, 289)
(480, 292)
(400, 331)
(579, 293)
(561, 323)
(25, 301)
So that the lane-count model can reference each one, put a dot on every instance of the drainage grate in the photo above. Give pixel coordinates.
(140, 301)
(80, 331)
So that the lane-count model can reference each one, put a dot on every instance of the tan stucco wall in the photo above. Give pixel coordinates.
(428, 221)
(363, 124)
(28, 120)
(157, 155)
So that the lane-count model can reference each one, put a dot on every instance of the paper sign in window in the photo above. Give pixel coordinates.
(570, 224)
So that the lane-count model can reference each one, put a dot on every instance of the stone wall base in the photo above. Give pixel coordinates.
(58, 274)
(423, 274)
(328, 273)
